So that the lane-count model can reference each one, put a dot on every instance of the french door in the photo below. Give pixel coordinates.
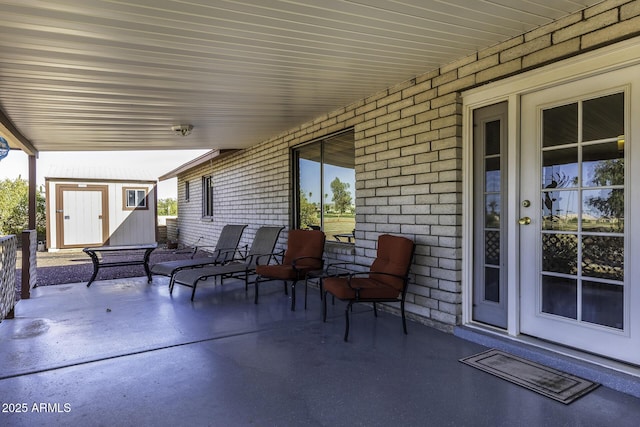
(576, 209)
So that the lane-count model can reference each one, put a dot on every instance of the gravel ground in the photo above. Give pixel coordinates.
(56, 268)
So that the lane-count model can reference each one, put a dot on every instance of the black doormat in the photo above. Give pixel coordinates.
(547, 381)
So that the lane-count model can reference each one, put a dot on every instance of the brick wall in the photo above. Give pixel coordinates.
(408, 159)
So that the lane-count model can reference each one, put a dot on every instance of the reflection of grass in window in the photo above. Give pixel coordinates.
(601, 226)
(335, 224)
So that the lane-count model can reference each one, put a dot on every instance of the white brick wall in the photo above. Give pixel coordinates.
(408, 159)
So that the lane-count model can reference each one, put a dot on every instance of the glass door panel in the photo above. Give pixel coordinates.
(583, 213)
(490, 142)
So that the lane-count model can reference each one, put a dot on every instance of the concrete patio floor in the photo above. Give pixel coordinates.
(123, 352)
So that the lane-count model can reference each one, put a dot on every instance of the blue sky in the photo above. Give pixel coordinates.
(309, 173)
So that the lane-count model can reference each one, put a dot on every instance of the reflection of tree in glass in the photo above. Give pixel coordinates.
(308, 215)
(493, 218)
(341, 197)
(612, 205)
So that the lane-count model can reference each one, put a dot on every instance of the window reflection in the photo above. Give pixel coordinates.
(603, 164)
(492, 137)
(603, 304)
(492, 211)
(560, 296)
(603, 117)
(560, 168)
(309, 161)
(492, 174)
(560, 125)
(603, 210)
(492, 248)
(582, 193)
(560, 210)
(492, 284)
(560, 253)
(603, 257)
(325, 179)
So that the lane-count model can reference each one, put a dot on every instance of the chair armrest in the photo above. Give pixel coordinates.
(369, 273)
(293, 263)
(242, 252)
(273, 255)
(239, 254)
(340, 269)
(218, 252)
(195, 247)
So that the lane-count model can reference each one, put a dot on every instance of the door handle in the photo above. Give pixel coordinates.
(525, 220)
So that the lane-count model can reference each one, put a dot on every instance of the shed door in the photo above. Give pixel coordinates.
(81, 216)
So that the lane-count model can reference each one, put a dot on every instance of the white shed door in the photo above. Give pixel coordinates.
(82, 217)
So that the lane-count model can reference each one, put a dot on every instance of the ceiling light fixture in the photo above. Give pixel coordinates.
(183, 130)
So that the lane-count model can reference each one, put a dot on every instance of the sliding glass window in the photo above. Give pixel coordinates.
(324, 177)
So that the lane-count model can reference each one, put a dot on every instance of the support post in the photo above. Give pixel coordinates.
(29, 264)
(33, 207)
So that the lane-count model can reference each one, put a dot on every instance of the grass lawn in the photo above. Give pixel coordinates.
(334, 224)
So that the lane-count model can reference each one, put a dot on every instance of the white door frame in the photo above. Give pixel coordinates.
(600, 61)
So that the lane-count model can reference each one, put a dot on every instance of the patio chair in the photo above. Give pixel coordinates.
(386, 280)
(261, 248)
(223, 252)
(302, 256)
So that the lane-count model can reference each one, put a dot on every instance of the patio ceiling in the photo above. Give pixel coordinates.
(80, 75)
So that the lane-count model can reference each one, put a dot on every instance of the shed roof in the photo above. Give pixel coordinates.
(99, 174)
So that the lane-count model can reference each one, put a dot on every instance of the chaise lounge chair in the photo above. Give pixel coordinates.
(303, 255)
(261, 249)
(224, 251)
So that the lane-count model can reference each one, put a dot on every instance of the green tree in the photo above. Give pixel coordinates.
(308, 214)
(341, 197)
(167, 207)
(14, 208)
(609, 172)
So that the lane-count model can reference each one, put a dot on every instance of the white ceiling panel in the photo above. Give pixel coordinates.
(116, 75)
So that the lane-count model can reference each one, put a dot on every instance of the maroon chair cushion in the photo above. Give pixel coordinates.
(394, 256)
(305, 243)
(300, 243)
(283, 272)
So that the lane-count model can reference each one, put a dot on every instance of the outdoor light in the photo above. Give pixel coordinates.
(4, 148)
(183, 130)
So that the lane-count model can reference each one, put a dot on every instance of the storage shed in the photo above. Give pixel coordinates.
(99, 207)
